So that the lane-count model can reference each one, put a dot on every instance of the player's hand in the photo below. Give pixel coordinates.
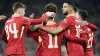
(32, 16)
(84, 23)
(2, 17)
(50, 14)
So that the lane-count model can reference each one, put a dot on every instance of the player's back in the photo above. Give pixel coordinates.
(90, 39)
(74, 29)
(51, 44)
(14, 35)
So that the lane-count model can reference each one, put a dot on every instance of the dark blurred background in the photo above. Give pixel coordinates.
(37, 7)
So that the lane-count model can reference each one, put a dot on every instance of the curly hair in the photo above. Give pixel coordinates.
(51, 7)
(83, 14)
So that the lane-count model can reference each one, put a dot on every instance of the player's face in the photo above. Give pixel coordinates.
(65, 8)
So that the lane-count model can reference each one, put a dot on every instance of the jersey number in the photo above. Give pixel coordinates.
(11, 29)
(50, 41)
(90, 41)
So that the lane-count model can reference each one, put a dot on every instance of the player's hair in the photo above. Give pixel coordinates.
(73, 5)
(83, 14)
(51, 7)
(17, 5)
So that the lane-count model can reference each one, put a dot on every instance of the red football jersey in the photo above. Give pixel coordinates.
(88, 34)
(13, 33)
(73, 26)
(50, 44)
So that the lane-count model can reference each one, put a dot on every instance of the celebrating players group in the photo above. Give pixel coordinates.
(74, 30)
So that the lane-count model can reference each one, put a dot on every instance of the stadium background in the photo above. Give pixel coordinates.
(37, 7)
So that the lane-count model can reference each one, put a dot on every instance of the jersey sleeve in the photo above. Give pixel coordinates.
(39, 20)
(67, 22)
(28, 21)
(73, 38)
(24, 21)
(64, 24)
(71, 20)
(33, 34)
(4, 36)
(92, 26)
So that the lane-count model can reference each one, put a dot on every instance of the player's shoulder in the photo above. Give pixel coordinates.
(71, 18)
(9, 20)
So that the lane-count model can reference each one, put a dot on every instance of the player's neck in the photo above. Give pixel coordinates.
(71, 13)
(16, 15)
(50, 22)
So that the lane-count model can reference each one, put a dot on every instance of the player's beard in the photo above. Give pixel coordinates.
(66, 13)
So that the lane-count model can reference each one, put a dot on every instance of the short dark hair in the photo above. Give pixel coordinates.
(51, 7)
(83, 14)
(73, 5)
(18, 5)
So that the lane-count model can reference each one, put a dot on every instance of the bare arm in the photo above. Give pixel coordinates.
(41, 19)
(52, 31)
(63, 25)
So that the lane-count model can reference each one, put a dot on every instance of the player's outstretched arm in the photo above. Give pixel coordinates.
(93, 27)
(41, 19)
(74, 38)
(49, 30)
(63, 25)
(38, 20)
